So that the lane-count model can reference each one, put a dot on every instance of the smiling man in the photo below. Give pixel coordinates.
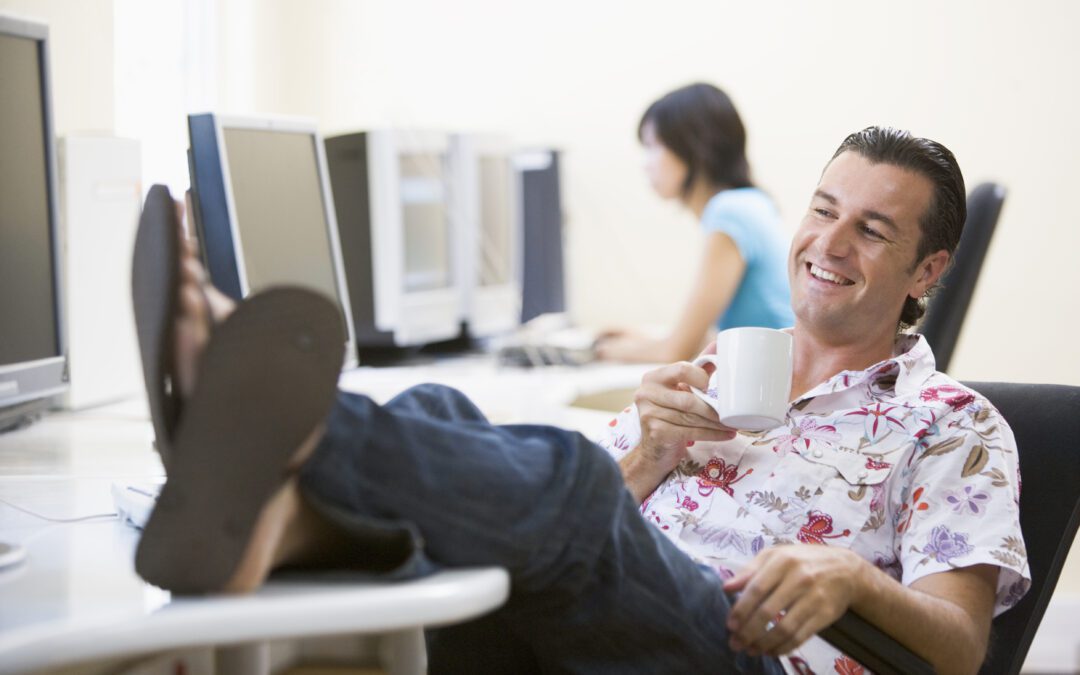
(890, 489)
(893, 465)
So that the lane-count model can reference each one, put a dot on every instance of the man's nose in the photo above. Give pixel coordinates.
(835, 241)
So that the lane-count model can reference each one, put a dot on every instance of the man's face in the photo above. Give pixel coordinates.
(852, 261)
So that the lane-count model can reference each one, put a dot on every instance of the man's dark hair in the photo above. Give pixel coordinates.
(944, 218)
(699, 124)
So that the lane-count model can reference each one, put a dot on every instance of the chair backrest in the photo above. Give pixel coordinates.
(947, 307)
(1045, 418)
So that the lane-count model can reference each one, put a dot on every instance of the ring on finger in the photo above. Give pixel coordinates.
(775, 620)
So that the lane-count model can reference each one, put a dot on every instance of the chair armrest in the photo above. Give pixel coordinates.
(872, 647)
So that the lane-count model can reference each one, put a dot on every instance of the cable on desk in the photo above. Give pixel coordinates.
(77, 519)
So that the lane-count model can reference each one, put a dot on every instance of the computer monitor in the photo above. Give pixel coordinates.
(263, 208)
(543, 281)
(394, 212)
(486, 198)
(32, 351)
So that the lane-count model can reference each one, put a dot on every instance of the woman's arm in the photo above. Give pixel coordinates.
(719, 275)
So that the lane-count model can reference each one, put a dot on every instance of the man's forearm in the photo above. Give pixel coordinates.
(641, 473)
(925, 618)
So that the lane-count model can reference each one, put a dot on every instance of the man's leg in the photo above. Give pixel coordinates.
(594, 587)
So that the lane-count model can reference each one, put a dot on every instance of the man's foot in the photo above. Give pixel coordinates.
(280, 533)
(199, 305)
(253, 384)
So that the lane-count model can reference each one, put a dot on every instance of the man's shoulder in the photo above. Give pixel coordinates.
(943, 390)
(957, 409)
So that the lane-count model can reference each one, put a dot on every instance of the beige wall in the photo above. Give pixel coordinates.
(993, 80)
(81, 34)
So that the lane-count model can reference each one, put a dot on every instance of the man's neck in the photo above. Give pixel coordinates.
(817, 359)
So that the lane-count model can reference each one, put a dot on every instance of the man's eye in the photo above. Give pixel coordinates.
(872, 232)
(824, 213)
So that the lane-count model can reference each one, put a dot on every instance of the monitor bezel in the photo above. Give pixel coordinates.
(297, 125)
(495, 308)
(418, 316)
(46, 377)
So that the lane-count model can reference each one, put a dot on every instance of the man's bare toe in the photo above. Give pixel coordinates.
(221, 305)
(192, 333)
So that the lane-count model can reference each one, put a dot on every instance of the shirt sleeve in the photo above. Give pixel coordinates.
(738, 219)
(960, 504)
(623, 433)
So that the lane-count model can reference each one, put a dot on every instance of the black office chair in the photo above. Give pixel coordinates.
(1045, 418)
(947, 308)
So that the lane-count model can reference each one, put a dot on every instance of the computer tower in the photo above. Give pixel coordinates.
(100, 198)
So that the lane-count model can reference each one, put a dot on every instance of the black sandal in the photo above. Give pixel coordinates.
(155, 280)
(266, 380)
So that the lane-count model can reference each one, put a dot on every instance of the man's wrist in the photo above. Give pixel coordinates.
(642, 472)
(864, 580)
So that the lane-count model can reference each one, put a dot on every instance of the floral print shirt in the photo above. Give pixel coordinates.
(899, 463)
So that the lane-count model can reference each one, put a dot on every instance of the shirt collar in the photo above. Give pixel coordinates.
(911, 365)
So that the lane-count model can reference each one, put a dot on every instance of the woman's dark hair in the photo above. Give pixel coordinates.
(699, 124)
(943, 221)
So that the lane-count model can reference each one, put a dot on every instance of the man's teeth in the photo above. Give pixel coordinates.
(829, 276)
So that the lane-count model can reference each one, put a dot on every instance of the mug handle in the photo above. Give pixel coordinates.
(703, 395)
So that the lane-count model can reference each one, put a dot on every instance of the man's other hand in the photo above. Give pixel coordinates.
(788, 594)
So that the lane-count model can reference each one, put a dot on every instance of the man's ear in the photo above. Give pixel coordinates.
(928, 272)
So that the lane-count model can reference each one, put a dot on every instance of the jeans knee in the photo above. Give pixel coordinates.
(437, 400)
(434, 390)
(603, 470)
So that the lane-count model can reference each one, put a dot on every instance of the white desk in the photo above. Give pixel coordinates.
(77, 599)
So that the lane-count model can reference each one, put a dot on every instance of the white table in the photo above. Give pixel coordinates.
(77, 599)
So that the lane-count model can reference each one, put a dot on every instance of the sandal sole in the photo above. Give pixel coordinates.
(155, 277)
(267, 379)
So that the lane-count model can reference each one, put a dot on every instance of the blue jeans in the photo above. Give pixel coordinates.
(426, 481)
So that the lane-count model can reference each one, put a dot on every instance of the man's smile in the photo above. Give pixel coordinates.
(828, 276)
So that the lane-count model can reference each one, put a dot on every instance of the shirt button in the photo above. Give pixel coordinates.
(817, 452)
(863, 474)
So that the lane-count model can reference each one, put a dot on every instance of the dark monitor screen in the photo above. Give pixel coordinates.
(280, 212)
(28, 303)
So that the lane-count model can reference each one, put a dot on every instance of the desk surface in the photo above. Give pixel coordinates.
(77, 598)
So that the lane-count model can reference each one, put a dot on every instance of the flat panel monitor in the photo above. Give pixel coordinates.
(264, 209)
(398, 234)
(32, 354)
(543, 281)
(488, 206)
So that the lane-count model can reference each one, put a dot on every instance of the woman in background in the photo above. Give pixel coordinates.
(695, 151)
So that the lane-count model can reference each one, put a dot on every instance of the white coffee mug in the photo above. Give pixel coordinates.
(752, 382)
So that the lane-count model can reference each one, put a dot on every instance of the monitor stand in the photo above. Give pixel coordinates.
(11, 555)
(420, 354)
(22, 414)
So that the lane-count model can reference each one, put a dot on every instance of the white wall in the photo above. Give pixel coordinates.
(81, 55)
(995, 81)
